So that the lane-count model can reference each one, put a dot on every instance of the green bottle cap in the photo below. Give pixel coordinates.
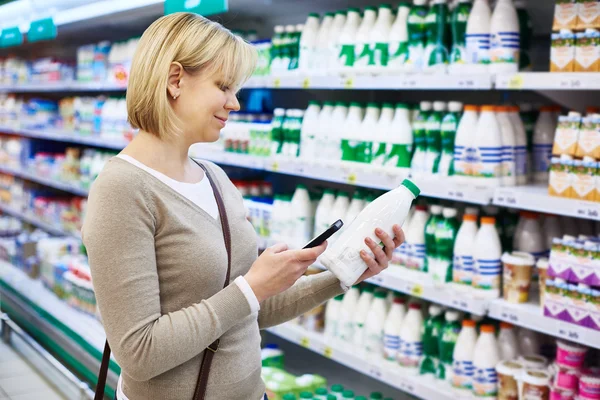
(348, 394)
(380, 294)
(329, 14)
(314, 15)
(321, 391)
(328, 103)
(376, 396)
(337, 388)
(360, 398)
(372, 104)
(403, 106)
(340, 103)
(331, 397)
(289, 396)
(313, 103)
(371, 8)
(354, 9)
(368, 288)
(414, 189)
(387, 105)
(388, 6)
(343, 194)
(355, 104)
(339, 297)
(306, 395)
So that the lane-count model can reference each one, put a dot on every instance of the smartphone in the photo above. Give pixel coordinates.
(336, 226)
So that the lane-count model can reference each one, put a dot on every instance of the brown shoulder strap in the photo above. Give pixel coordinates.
(210, 351)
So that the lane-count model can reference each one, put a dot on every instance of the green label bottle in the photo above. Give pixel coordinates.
(448, 338)
(448, 134)
(430, 246)
(445, 236)
(433, 128)
(431, 333)
(459, 19)
(438, 34)
(417, 31)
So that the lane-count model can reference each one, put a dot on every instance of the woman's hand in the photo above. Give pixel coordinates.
(382, 256)
(278, 268)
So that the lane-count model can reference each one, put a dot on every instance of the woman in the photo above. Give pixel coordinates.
(154, 236)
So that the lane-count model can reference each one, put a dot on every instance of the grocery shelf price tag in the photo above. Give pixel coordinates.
(42, 29)
(460, 304)
(275, 166)
(466, 83)
(348, 82)
(305, 342)
(505, 198)
(570, 83)
(569, 333)
(277, 83)
(352, 178)
(306, 83)
(374, 371)
(515, 82)
(328, 352)
(588, 210)
(456, 194)
(509, 315)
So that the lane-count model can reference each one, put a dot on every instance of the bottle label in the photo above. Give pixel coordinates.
(381, 54)
(542, 155)
(508, 161)
(398, 155)
(416, 257)
(478, 48)
(521, 160)
(374, 342)
(505, 48)
(410, 353)
(463, 269)
(486, 274)
(391, 345)
(365, 57)
(485, 382)
(487, 162)
(356, 150)
(432, 160)
(448, 342)
(346, 331)
(398, 53)
(462, 374)
(459, 54)
(347, 56)
(416, 54)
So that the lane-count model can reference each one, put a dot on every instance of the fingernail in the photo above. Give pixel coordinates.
(378, 230)
(362, 253)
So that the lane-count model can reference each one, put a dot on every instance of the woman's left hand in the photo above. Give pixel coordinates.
(381, 255)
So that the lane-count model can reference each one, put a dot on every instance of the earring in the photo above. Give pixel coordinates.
(174, 97)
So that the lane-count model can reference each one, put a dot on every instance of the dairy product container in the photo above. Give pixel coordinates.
(445, 237)
(417, 31)
(463, 265)
(505, 38)
(487, 159)
(448, 337)
(543, 139)
(346, 320)
(347, 40)
(478, 37)
(415, 239)
(431, 335)
(418, 164)
(438, 36)
(332, 316)
(392, 327)
(333, 45)
(464, 143)
(360, 316)
(433, 137)
(364, 54)
(487, 265)
(411, 339)
(398, 41)
(433, 224)
(375, 323)
(486, 357)
(463, 370)
(308, 43)
(448, 136)
(458, 53)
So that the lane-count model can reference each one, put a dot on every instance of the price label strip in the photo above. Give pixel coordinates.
(588, 210)
(509, 315)
(306, 83)
(506, 198)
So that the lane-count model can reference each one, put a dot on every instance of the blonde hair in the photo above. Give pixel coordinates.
(199, 45)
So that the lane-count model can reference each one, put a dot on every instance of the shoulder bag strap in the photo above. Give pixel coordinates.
(210, 351)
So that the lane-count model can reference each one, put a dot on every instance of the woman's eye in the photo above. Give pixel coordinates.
(224, 87)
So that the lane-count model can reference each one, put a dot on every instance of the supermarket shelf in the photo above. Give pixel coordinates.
(368, 364)
(448, 189)
(72, 86)
(34, 220)
(530, 316)
(53, 183)
(549, 81)
(66, 136)
(536, 198)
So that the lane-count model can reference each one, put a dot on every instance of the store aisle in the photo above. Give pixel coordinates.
(20, 381)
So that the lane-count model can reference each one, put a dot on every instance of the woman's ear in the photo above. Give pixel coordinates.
(174, 79)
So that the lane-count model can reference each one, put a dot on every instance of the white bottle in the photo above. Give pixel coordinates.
(509, 170)
(363, 52)
(411, 338)
(530, 238)
(324, 210)
(463, 267)
(449, 124)
(308, 44)
(478, 37)
(361, 313)
(348, 41)
(320, 61)
(332, 316)
(333, 45)
(346, 324)
(356, 206)
(529, 342)
(277, 63)
(365, 135)
(400, 139)
(504, 39)
(464, 143)
(391, 329)
(303, 218)
(333, 150)
(487, 266)
(343, 257)
(375, 323)
(488, 145)
(486, 356)
(543, 140)
(398, 41)
(521, 154)
(551, 229)
(287, 220)
(418, 165)
(310, 127)
(382, 135)
(351, 133)
(323, 130)
(415, 239)
(463, 370)
(507, 342)
(379, 38)
(338, 211)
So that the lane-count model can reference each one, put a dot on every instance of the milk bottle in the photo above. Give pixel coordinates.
(438, 35)
(487, 252)
(529, 342)
(543, 139)
(277, 130)
(509, 170)
(448, 338)
(464, 144)
(323, 130)
(478, 37)
(445, 237)
(360, 316)
(411, 343)
(418, 163)
(392, 327)
(507, 342)
(433, 138)
(332, 316)
(431, 333)
(356, 206)
(530, 239)
(346, 321)
(417, 30)
(415, 239)
(363, 51)
(276, 50)
(463, 370)
(308, 43)
(551, 229)
(382, 135)
(448, 135)
(362, 142)
(463, 266)
(308, 134)
(347, 40)
(504, 29)
(435, 221)
(352, 133)
(521, 156)
(458, 54)
(487, 162)
(485, 358)
(398, 47)
(320, 61)
(324, 210)
(333, 46)
(343, 257)
(375, 322)
(337, 126)
(340, 208)
(303, 217)
(400, 140)
(379, 38)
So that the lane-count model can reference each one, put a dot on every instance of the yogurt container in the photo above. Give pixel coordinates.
(570, 355)
(535, 384)
(567, 379)
(517, 270)
(534, 361)
(508, 373)
(589, 387)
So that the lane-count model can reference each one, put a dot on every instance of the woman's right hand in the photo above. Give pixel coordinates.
(278, 268)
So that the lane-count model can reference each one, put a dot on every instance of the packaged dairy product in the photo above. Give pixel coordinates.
(463, 266)
(445, 237)
(375, 323)
(415, 239)
(308, 43)
(431, 335)
(518, 270)
(347, 40)
(303, 217)
(309, 131)
(588, 14)
(356, 206)
(458, 54)
(363, 52)
(588, 141)
(362, 143)
(463, 370)
(438, 36)
(323, 130)
(398, 40)
(332, 316)
(507, 342)
(411, 339)
(346, 319)
(587, 51)
(333, 45)
(508, 374)
(343, 256)
(509, 167)
(464, 150)
(559, 181)
(535, 384)
(448, 135)
(382, 135)
(321, 56)
(431, 251)
(478, 37)
(487, 267)
(530, 238)
(543, 139)
(418, 164)
(333, 148)
(448, 338)
(521, 156)
(400, 139)
(379, 38)
(487, 159)
(562, 51)
(486, 357)
(565, 15)
(392, 327)
(567, 134)
(505, 38)
(529, 343)
(433, 137)
(360, 316)
(417, 30)
(584, 179)
(352, 133)
(338, 211)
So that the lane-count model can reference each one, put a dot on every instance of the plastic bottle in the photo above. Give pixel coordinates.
(486, 356)
(277, 50)
(551, 229)
(445, 238)
(504, 38)
(463, 267)
(507, 342)
(348, 39)
(351, 133)
(323, 212)
(379, 38)
(415, 239)
(375, 324)
(392, 327)
(458, 54)
(478, 37)
(356, 206)
(543, 140)
(464, 144)
(433, 137)
(303, 218)
(308, 43)
(487, 269)
(521, 153)
(400, 139)
(448, 135)
(337, 391)
(363, 142)
(411, 338)
(438, 36)
(376, 396)
(433, 224)
(323, 130)
(509, 167)
(529, 342)
(346, 321)
(342, 257)
(530, 238)
(382, 135)
(277, 131)
(320, 60)
(361, 313)
(418, 164)
(448, 338)
(431, 334)
(487, 163)
(338, 211)
(309, 132)
(417, 31)
(332, 316)
(333, 44)
(320, 394)
(363, 50)
(337, 126)
(398, 47)
(463, 370)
